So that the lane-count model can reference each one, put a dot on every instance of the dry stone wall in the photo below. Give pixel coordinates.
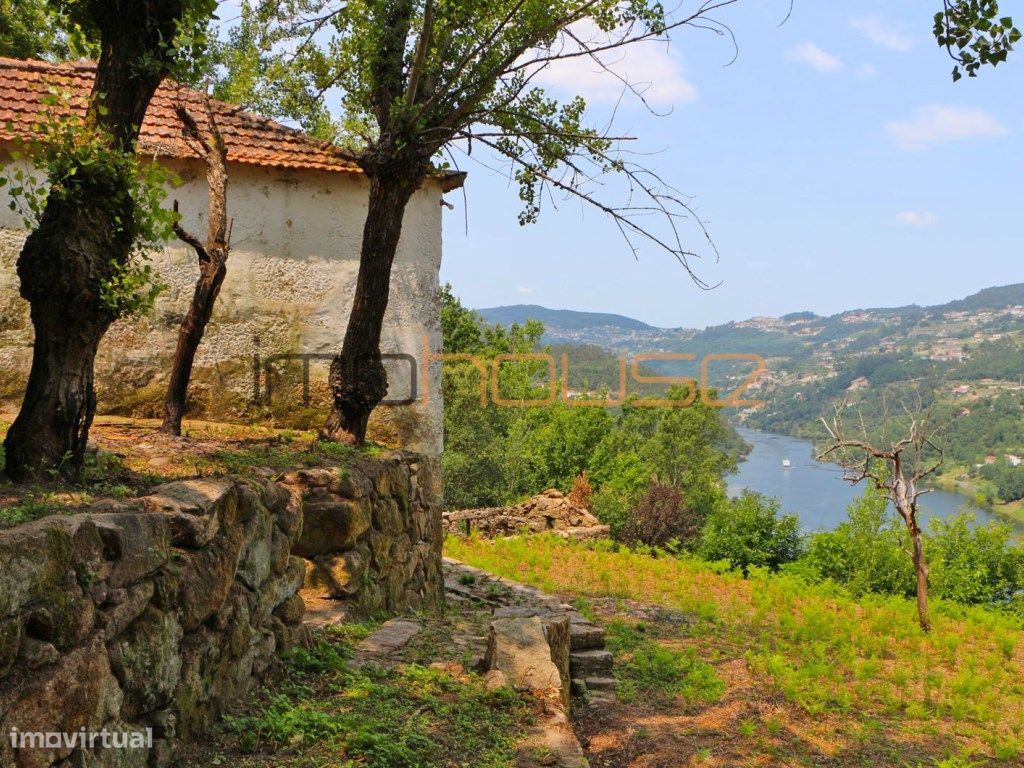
(372, 538)
(155, 616)
(149, 617)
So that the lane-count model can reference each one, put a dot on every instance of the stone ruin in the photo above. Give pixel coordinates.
(549, 511)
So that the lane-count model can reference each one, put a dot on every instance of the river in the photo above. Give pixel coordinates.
(816, 491)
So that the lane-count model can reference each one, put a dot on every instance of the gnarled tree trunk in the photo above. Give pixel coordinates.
(358, 380)
(213, 257)
(76, 243)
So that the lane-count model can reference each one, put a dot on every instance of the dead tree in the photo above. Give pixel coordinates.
(898, 470)
(213, 257)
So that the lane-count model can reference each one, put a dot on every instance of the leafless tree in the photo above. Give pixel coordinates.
(897, 467)
(213, 257)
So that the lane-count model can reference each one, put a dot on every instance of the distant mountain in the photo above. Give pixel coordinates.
(560, 319)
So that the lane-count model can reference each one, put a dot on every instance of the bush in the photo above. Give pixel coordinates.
(974, 565)
(661, 518)
(867, 553)
(749, 531)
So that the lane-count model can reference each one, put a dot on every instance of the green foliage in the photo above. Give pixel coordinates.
(647, 669)
(749, 532)
(496, 455)
(866, 553)
(43, 29)
(404, 717)
(78, 159)
(1007, 479)
(870, 553)
(975, 34)
(974, 564)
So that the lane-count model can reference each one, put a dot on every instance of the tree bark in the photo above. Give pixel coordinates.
(921, 569)
(66, 258)
(213, 257)
(358, 380)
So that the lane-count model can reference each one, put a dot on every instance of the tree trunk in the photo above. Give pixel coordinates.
(193, 327)
(71, 252)
(213, 257)
(921, 569)
(358, 380)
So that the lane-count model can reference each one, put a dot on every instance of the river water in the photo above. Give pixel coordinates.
(815, 491)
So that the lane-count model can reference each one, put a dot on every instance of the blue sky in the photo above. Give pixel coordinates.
(835, 162)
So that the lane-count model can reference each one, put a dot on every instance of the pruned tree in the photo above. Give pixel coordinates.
(420, 80)
(897, 467)
(974, 33)
(213, 259)
(79, 267)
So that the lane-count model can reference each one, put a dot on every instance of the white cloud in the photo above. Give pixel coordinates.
(939, 123)
(649, 66)
(916, 218)
(882, 33)
(524, 290)
(813, 56)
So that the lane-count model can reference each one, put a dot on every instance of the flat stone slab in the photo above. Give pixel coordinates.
(590, 663)
(601, 683)
(389, 638)
(586, 637)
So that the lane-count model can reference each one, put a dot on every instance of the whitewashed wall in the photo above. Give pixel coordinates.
(291, 276)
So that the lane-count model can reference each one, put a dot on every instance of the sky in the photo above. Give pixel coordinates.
(836, 164)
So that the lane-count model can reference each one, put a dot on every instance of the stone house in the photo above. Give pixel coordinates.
(298, 207)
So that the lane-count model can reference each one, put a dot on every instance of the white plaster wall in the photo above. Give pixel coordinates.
(290, 280)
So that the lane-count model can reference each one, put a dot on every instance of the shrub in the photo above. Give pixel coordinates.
(611, 507)
(582, 491)
(749, 531)
(867, 553)
(974, 564)
(661, 518)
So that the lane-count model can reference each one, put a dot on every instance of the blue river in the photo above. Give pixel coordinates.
(816, 491)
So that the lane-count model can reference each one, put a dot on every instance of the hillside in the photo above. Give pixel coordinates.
(560, 319)
(965, 358)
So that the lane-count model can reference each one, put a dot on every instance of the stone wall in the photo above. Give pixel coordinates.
(150, 617)
(372, 537)
(156, 615)
(551, 511)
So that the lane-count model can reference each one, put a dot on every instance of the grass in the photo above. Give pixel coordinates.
(325, 712)
(955, 693)
(646, 668)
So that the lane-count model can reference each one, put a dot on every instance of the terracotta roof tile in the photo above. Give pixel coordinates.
(250, 139)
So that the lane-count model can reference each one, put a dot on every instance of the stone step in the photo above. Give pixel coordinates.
(586, 637)
(601, 683)
(590, 663)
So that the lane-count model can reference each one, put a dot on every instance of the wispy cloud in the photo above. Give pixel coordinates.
(882, 33)
(524, 290)
(813, 56)
(916, 218)
(648, 66)
(938, 123)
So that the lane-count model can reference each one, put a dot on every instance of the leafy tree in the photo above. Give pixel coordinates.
(749, 531)
(78, 267)
(974, 33)
(43, 29)
(865, 553)
(974, 565)
(416, 80)
(661, 518)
